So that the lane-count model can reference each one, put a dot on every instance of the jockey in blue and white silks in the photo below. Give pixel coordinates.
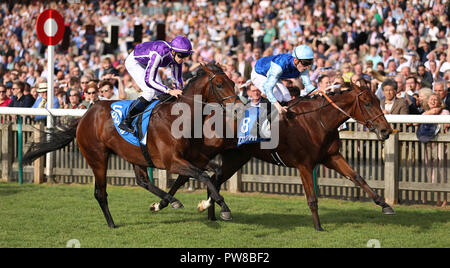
(269, 70)
(143, 64)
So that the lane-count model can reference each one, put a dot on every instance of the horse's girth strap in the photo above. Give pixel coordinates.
(142, 146)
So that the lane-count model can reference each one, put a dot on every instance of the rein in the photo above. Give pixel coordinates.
(367, 122)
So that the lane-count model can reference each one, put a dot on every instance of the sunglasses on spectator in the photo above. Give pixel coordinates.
(306, 62)
(90, 93)
(3, 91)
(182, 55)
(73, 95)
(103, 91)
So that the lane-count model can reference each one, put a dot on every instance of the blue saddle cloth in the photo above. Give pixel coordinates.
(120, 111)
(249, 127)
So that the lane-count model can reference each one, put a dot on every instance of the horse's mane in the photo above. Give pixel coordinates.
(346, 85)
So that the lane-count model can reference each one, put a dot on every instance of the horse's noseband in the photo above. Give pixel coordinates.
(366, 121)
(216, 94)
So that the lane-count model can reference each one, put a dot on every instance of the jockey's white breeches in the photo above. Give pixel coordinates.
(280, 91)
(137, 72)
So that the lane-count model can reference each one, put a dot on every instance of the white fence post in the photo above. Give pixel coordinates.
(163, 179)
(391, 169)
(235, 182)
(7, 151)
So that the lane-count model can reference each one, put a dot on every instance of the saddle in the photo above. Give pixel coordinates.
(119, 110)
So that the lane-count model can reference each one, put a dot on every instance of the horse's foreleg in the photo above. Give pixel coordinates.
(143, 181)
(308, 185)
(213, 193)
(180, 181)
(232, 161)
(174, 203)
(186, 169)
(338, 163)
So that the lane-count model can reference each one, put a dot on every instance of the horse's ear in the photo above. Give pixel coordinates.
(204, 66)
(354, 86)
(220, 65)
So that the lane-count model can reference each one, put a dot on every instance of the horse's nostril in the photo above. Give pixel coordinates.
(386, 132)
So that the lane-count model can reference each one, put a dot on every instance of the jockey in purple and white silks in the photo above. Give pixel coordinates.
(143, 64)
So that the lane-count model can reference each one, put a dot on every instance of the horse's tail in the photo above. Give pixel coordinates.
(52, 140)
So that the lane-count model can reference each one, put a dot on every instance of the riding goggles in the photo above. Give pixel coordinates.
(182, 55)
(306, 62)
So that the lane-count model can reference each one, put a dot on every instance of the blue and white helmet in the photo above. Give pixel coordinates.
(303, 52)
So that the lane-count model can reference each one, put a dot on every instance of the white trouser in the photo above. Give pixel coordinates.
(137, 72)
(280, 91)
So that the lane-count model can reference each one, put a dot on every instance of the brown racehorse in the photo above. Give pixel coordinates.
(308, 137)
(97, 138)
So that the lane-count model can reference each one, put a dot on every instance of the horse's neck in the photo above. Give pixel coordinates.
(328, 116)
(195, 92)
(345, 101)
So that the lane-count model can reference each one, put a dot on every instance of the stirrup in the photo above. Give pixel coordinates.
(126, 127)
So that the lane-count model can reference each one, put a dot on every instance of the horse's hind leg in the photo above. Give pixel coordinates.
(143, 181)
(308, 185)
(338, 163)
(101, 196)
(98, 161)
(100, 192)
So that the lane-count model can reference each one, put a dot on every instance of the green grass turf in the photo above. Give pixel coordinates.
(51, 215)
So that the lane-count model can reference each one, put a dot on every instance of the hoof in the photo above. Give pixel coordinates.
(320, 229)
(226, 216)
(176, 205)
(200, 208)
(203, 205)
(388, 211)
(154, 207)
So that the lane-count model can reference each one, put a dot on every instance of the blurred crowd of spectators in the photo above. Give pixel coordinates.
(401, 47)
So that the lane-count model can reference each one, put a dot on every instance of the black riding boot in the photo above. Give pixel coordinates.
(138, 106)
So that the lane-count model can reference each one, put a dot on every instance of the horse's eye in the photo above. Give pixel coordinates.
(219, 86)
(367, 104)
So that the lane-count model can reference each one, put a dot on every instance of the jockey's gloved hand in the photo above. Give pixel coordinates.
(281, 109)
(175, 92)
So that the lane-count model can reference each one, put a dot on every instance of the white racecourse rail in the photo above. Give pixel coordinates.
(391, 118)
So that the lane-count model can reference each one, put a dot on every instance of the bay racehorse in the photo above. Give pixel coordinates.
(97, 139)
(308, 136)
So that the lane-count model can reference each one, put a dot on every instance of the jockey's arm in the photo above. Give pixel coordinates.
(309, 87)
(273, 75)
(151, 71)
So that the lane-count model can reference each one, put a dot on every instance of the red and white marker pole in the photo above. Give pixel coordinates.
(50, 31)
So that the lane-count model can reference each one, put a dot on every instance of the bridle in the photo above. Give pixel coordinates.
(217, 95)
(357, 106)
